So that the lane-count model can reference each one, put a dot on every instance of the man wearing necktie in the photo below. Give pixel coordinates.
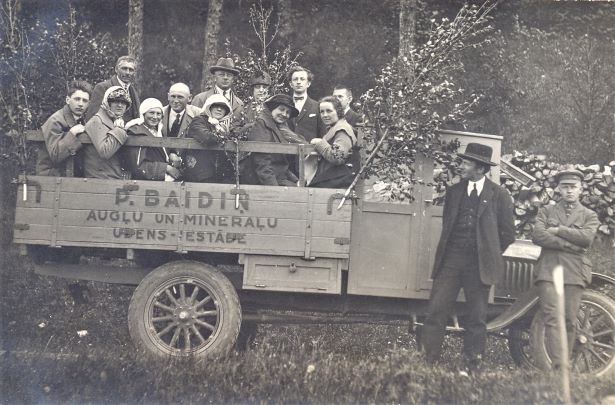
(178, 114)
(565, 231)
(308, 123)
(477, 227)
(225, 74)
(125, 71)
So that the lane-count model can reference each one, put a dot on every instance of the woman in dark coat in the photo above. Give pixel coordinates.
(209, 129)
(148, 163)
(337, 161)
(271, 126)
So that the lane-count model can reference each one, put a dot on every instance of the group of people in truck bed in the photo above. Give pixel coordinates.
(90, 131)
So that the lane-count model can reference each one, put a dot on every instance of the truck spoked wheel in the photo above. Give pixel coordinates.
(519, 345)
(594, 348)
(185, 308)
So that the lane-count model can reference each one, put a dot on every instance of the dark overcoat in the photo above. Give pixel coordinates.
(495, 228)
(143, 163)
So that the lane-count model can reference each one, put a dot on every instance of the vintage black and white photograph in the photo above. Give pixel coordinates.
(307, 202)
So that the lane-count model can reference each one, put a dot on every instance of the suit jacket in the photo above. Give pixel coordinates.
(236, 102)
(60, 144)
(575, 234)
(99, 93)
(495, 228)
(308, 124)
(191, 112)
(353, 118)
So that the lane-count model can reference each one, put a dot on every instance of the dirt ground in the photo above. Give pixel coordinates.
(60, 345)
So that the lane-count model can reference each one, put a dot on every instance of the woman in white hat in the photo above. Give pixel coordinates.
(148, 163)
(209, 128)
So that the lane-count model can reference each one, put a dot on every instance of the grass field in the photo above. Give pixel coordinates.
(46, 361)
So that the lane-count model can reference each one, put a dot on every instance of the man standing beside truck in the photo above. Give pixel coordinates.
(565, 231)
(477, 228)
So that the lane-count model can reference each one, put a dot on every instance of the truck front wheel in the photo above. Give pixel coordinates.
(185, 308)
(593, 351)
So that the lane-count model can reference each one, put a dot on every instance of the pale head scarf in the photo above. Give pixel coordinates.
(119, 90)
(222, 124)
(146, 105)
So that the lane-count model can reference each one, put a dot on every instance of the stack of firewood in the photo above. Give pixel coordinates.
(598, 190)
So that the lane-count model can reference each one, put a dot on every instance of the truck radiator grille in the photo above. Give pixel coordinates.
(518, 277)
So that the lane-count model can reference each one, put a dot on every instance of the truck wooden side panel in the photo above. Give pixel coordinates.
(280, 221)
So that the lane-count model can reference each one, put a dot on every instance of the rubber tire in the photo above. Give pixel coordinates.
(522, 357)
(537, 333)
(222, 291)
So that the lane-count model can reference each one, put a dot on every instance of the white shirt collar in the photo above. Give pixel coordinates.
(299, 104)
(346, 110)
(173, 114)
(123, 84)
(479, 185)
(218, 90)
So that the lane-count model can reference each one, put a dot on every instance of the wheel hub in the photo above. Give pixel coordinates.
(582, 339)
(184, 315)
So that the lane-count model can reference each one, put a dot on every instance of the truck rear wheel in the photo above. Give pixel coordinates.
(184, 308)
(594, 348)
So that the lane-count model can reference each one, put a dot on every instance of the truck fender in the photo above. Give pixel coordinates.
(518, 309)
(601, 280)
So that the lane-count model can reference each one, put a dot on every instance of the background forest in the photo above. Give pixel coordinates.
(545, 73)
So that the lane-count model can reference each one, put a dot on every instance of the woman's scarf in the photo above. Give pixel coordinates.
(222, 125)
(118, 120)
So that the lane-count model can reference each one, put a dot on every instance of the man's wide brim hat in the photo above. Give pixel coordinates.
(479, 153)
(225, 64)
(272, 102)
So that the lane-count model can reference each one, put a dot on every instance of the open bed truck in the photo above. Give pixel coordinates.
(303, 258)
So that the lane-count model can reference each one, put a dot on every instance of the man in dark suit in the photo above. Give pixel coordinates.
(125, 70)
(178, 114)
(477, 227)
(344, 95)
(308, 124)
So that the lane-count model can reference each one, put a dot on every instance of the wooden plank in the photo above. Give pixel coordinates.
(189, 143)
(35, 232)
(34, 215)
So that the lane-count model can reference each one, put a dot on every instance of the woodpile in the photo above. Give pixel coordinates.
(598, 190)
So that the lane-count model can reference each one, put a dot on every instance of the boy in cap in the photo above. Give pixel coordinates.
(477, 226)
(565, 231)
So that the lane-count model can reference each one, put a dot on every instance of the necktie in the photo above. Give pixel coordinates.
(227, 94)
(81, 121)
(298, 99)
(174, 132)
(474, 193)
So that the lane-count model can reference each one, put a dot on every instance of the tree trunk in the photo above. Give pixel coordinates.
(135, 36)
(212, 28)
(407, 26)
(284, 21)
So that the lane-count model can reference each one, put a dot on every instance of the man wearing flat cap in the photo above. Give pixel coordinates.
(225, 73)
(477, 228)
(565, 231)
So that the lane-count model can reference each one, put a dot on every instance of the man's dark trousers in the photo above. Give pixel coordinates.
(459, 270)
